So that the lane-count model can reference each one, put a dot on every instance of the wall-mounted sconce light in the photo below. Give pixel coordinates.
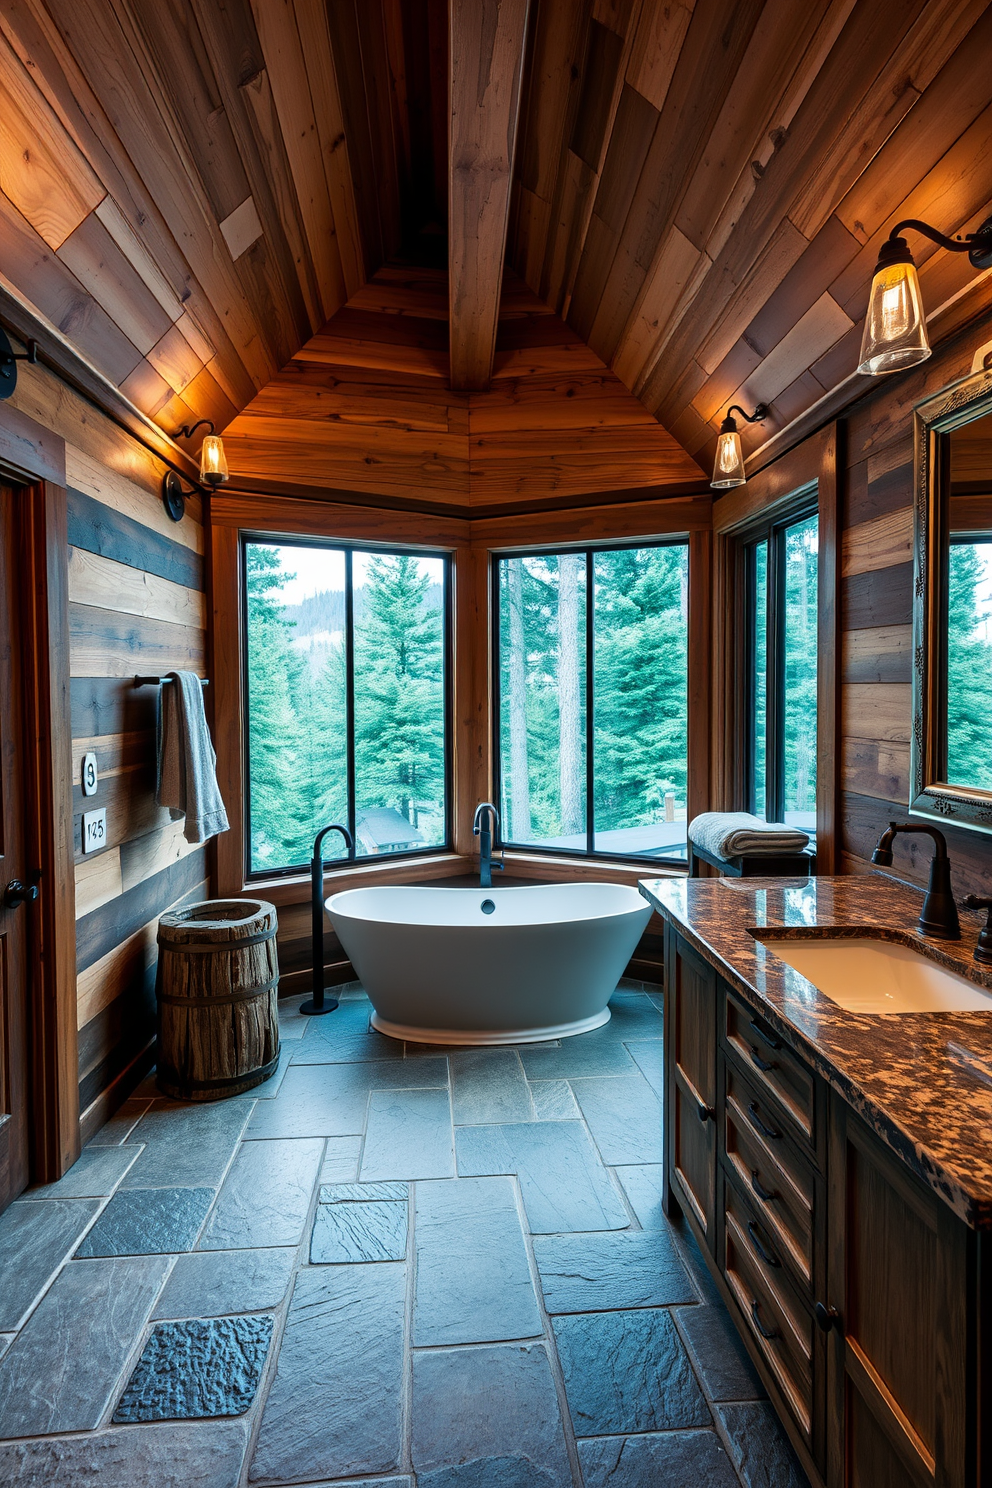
(9, 360)
(896, 327)
(213, 469)
(728, 467)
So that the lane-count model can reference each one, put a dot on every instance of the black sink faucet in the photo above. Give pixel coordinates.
(939, 915)
(485, 824)
(318, 1003)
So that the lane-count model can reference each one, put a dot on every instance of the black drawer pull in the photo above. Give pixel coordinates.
(765, 1036)
(766, 1255)
(762, 1064)
(827, 1317)
(764, 1194)
(758, 1124)
(756, 1318)
(704, 1112)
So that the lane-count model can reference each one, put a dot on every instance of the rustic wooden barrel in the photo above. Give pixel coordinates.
(218, 1028)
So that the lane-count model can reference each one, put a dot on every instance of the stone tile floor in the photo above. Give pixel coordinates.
(389, 1265)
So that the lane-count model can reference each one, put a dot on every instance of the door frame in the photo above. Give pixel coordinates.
(32, 460)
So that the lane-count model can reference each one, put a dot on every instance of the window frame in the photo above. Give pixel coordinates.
(588, 551)
(347, 546)
(769, 529)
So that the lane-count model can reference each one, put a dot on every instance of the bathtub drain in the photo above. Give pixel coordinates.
(488, 907)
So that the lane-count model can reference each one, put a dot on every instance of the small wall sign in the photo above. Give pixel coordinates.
(90, 776)
(94, 830)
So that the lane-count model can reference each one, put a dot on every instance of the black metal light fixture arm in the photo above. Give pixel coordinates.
(188, 430)
(760, 412)
(978, 245)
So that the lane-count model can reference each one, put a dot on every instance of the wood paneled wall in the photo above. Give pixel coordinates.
(876, 622)
(136, 604)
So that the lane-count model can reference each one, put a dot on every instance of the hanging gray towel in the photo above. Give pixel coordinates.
(726, 834)
(187, 765)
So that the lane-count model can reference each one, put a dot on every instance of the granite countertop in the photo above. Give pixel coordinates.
(923, 1081)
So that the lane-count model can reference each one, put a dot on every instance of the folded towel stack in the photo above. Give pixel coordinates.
(729, 834)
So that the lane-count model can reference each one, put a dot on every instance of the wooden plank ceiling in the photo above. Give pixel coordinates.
(192, 192)
(702, 187)
(367, 406)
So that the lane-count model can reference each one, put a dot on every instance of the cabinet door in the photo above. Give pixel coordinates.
(690, 1070)
(897, 1280)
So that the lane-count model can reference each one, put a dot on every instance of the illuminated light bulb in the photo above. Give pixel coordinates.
(728, 467)
(895, 335)
(213, 461)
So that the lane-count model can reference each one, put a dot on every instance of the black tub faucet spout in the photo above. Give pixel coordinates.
(939, 915)
(318, 1003)
(486, 823)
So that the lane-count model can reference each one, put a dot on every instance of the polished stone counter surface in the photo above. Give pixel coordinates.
(923, 1081)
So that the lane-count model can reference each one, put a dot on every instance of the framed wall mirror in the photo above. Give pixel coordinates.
(951, 746)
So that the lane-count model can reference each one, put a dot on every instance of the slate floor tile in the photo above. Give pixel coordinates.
(627, 1371)
(761, 1451)
(6, 1339)
(473, 1278)
(35, 1237)
(368, 1231)
(643, 1185)
(191, 1370)
(120, 1125)
(193, 1455)
(588, 1273)
(266, 1196)
(345, 1037)
(487, 1086)
(342, 1156)
(362, 1193)
(271, 1087)
(95, 1174)
(409, 1135)
(554, 1101)
(720, 1357)
(292, 1023)
(63, 1369)
(154, 1221)
(187, 1146)
(624, 1116)
(331, 1100)
(487, 1418)
(564, 1185)
(586, 1054)
(335, 1407)
(649, 1056)
(633, 1015)
(676, 1459)
(220, 1282)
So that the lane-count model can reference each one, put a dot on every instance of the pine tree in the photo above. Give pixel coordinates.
(399, 696)
(969, 668)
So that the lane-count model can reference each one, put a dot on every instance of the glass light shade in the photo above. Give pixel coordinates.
(728, 467)
(895, 327)
(213, 461)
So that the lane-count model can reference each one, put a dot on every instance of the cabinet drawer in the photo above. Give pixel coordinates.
(772, 1311)
(752, 1117)
(771, 1064)
(781, 1181)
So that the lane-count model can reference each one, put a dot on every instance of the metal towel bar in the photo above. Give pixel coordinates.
(157, 681)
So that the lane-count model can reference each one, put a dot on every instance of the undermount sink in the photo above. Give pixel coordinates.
(878, 976)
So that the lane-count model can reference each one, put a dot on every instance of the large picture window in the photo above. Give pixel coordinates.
(347, 698)
(591, 661)
(780, 594)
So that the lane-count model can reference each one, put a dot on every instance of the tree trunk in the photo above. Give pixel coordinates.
(571, 776)
(520, 824)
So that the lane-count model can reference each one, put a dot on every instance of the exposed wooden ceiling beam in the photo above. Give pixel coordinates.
(486, 50)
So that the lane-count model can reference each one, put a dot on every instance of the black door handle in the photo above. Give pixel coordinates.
(17, 893)
(762, 1064)
(756, 1316)
(764, 1194)
(758, 1124)
(766, 1255)
(826, 1317)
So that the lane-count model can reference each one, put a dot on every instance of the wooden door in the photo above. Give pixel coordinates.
(14, 913)
(690, 1066)
(897, 1282)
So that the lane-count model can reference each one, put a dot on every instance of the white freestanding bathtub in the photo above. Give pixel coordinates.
(489, 966)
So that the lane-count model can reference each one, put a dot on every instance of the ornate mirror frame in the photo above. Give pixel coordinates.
(930, 794)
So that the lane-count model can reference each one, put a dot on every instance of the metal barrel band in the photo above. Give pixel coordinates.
(260, 1074)
(216, 945)
(245, 995)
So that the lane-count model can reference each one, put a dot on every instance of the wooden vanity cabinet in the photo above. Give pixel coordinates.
(859, 1293)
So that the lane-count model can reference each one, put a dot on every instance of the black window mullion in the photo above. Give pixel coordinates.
(349, 672)
(590, 705)
(775, 747)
